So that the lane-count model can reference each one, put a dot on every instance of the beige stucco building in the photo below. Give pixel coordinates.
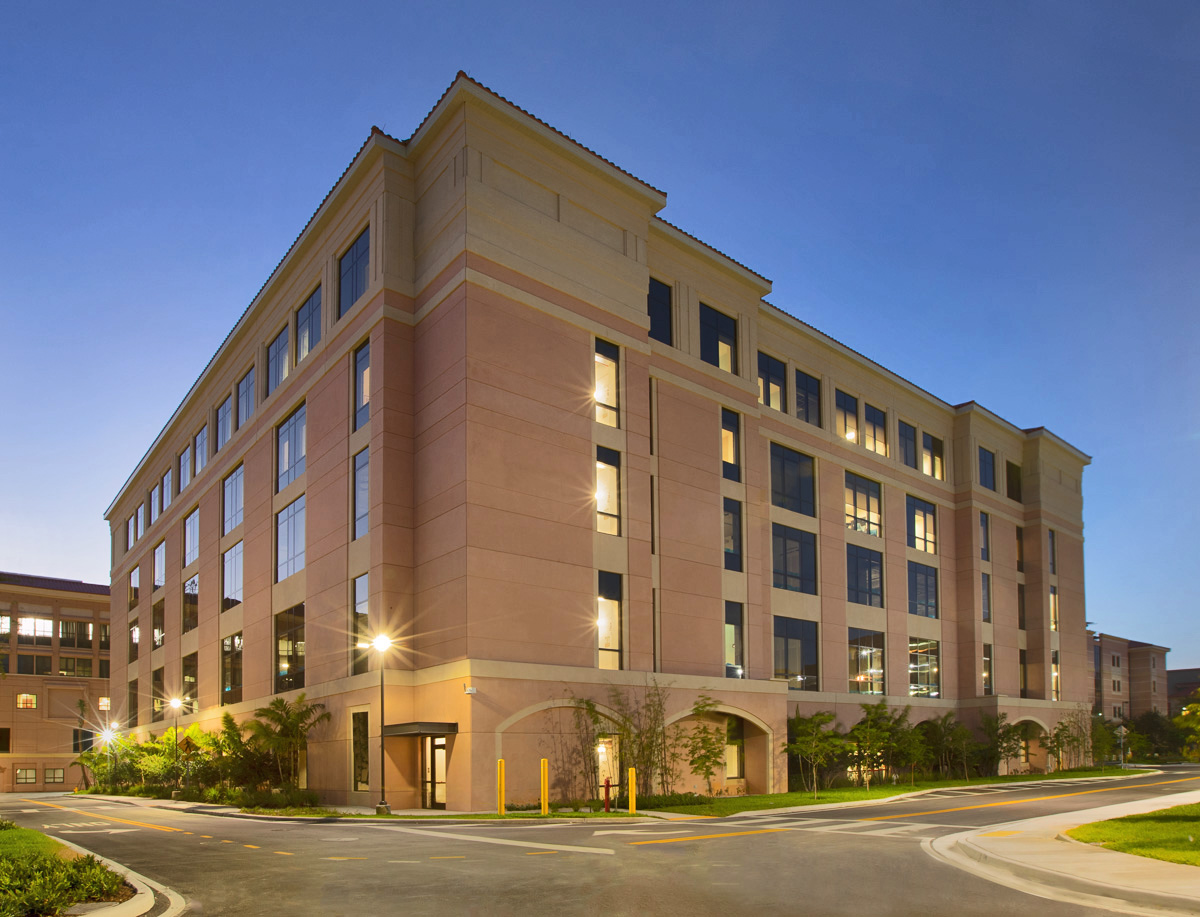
(1129, 677)
(559, 445)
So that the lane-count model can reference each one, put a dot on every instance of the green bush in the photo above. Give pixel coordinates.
(6, 824)
(664, 799)
(42, 884)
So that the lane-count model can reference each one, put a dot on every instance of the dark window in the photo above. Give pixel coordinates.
(731, 445)
(289, 649)
(362, 386)
(308, 325)
(5, 740)
(862, 504)
(233, 500)
(866, 661)
(362, 492)
(718, 339)
(658, 304)
(772, 382)
(924, 679)
(987, 469)
(922, 525)
(353, 270)
(191, 684)
(808, 398)
(792, 482)
(292, 435)
(1020, 550)
(864, 576)
(191, 604)
(931, 457)
(796, 653)
(131, 704)
(985, 595)
(985, 550)
(1021, 606)
(608, 491)
(1014, 481)
(846, 415)
(734, 644)
(794, 555)
(733, 535)
(1053, 542)
(105, 636)
(360, 744)
(289, 541)
(158, 624)
(1023, 673)
(875, 429)
(231, 669)
(82, 740)
(908, 444)
(922, 590)
(158, 700)
(360, 633)
(609, 618)
(245, 409)
(231, 577)
(277, 361)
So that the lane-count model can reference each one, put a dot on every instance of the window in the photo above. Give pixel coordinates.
(1054, 608)
(718, 339)
(200, 449)
(134, 639)
(924, 679)
(1023, 672)
(5, 740)
(289, 649)
(875, 429)
(277, 361)
(76, 634)
(735, 748)
(103, 673)
(734, 645)
(733, 535)
(922, 590)
(82, 740)
(166, 489)
(772, 382)
(864, 576)
(231, 669)
(988, 687)
(130, 533)
(185, 468)
(158, 624)
(731, 446)
(608, 602)
(191, 537)
(1053, 542)
(289, 540)
(35, 631)
(658, 305)
(984, 540)
(231, 577)
(191, 604)
(1055, 677)
(135, 576)
(26, 775)
(866, 661)
(160, 565)
(607, 384)
(292, 439)
(794, 555)
(26, 701)
(33, 665)
(931, 457)
(987, 469)
(1021, 606)
(1020, 550)
(131, 703)
(862, 504)
(1014, 481)
(922, 524)
(608, 491)
(308, 325)
(224, 422)
(140, 515)
(191, 684)
(234, 498)
(245, 398)
(353, 269)
(985, 595)
(792, 481)
(362, 386)
(158, 697)
(846, 416)
(808, 398)
(105, 636)
(54, 775)
(908, 444)
(362, 493)
(360, 746)
(360, 629)
(155, 505)
(796, 653)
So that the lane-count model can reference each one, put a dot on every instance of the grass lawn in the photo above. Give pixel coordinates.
(38, 875)
(318, 811)
(1168, 834)
(16, 842)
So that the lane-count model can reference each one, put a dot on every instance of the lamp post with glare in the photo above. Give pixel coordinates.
(109, 735)
(176, 703)
(381, 644)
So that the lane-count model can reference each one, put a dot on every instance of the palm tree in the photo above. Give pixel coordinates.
(282, 727)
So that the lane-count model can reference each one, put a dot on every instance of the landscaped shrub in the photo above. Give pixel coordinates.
(43, 884)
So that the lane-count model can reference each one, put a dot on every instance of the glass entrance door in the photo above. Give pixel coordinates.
(433, 772)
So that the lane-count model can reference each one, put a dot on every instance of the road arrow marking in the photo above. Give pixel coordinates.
(98, 831)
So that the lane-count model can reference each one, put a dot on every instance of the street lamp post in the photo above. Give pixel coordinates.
(109, 735)
(176, 703)
(382, 643)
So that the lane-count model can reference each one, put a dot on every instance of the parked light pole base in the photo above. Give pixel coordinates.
(383, 809)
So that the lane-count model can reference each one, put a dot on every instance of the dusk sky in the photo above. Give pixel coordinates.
(999, 201)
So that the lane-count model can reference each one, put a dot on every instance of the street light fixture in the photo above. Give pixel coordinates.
(176, 703)
(381, 644)
(108, 735)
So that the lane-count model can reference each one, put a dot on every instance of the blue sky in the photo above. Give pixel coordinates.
(1013, 183)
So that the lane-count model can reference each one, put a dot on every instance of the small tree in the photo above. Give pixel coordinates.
(1103, 741)
(911, 750)
(962, 747)
(282, 727)
(1055, 742)
(871, 738)
(813, 745)
(937, 734)
(705, 745)
(1001, 742)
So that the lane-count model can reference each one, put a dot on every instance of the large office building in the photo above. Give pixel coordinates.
(560, 447)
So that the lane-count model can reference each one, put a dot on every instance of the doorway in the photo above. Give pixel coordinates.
(433, 772)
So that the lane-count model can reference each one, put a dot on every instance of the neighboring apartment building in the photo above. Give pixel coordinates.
(1129, 677)
(1181, 685)
(54, 651)
(491, 406)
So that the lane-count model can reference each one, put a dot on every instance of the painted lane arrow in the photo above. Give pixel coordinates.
(98, 831)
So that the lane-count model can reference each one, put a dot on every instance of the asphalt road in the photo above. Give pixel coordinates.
(849, 861)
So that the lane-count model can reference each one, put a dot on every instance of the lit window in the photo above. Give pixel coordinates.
(792, 481)
(362, 386)
(26, 701)
(26, 775)
(607, 361)
(796, 653)
(158, 624)
(734, 649)
(231, 669)
(1055, 677)
(865, 661)
(718, 339)
(931, 457)
(731, 446)
(658, 305)
(1054, 608)
(862, 504)
(353, 270)
(608, 491)
(846, 416)
(277, 361)
(609, 623)
(864, 576)
(922, 590)
(191, 683)
(808, 398)
(308, 325)
(289, 649)
(922, 525)
(924, 678)
(875, 429)
(988, 687)
(135, 576)
(772, 382)
(104, 704)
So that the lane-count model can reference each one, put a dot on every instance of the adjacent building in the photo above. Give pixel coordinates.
(1129, 677)
(1181, 685)
(492, 407)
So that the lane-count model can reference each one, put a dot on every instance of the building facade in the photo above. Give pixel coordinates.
(54, 653)
(560, 448)
(1182, 684)
(1129, 677)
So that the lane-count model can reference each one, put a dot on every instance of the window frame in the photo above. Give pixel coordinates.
(717, 329)
(354, 272)
(772, 383)
(864, 576)
(790, 544)
(808, 406)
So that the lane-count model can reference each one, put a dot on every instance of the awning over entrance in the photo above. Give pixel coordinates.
(421, 729)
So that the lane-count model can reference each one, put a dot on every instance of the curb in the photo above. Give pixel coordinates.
(142, 901)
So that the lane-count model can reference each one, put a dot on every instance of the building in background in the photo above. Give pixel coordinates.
(1129, 677)
(1181, 685)
(54, 651)
(491, 406)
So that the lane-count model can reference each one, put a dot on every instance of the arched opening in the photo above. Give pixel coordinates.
(1032, 757)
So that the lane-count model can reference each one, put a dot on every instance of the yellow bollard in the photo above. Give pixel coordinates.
(499, 786)
(633, 791)
(545, 787)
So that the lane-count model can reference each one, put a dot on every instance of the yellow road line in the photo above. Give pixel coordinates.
(539, 853)
(345, 858)
(1016, 802)
(206, 836)
(123, 821)
(452, 858)
(252, 846)
(708, 837)
(284, 853)
(226, 842)
(1000, 834)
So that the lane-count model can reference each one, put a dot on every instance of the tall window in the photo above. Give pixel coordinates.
(308, 325)
(131, 703)
(289, 649)
(362, 386)
(796, 657)
(224, 422)
(718, 339)
(922, 524)
(609, 620)
(1055, 677)
(734, 646)
(908, 444)
(289, 540)
(360, 632)
(1053, 542)
(185, 468)
(360, 745)
(808, 398)
(792, 481)
(362, 493)
(924, 679)
(1054, 608)
(293, 436)
(608, 491)
(658, 304)
(864, 576)
(141, 519)
(158, 695)
(277, 361)
(1020, 550)
(233, 501)
(922, 590)
(191, 683)
(931, 457)
(733, 534)
(158, 624)
(191, 537)
(1021, 606)
(155, 506)
(987, 669)
(985, 552)
(135, 638)
(1023, 672)
(353, 270)
(231, 577)
(875, 429)
(200, 448)
(160, 565)
(862, 504)
(245, 398)
(772, 382)
(865, 661)
(987, 469)
(1013, 474)
(846, 415)
(191, 604)
(794, 556)
(135, 576)
(731, 446)
(231, 669)
(608, 358)
(166, 489)
(985, 595)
